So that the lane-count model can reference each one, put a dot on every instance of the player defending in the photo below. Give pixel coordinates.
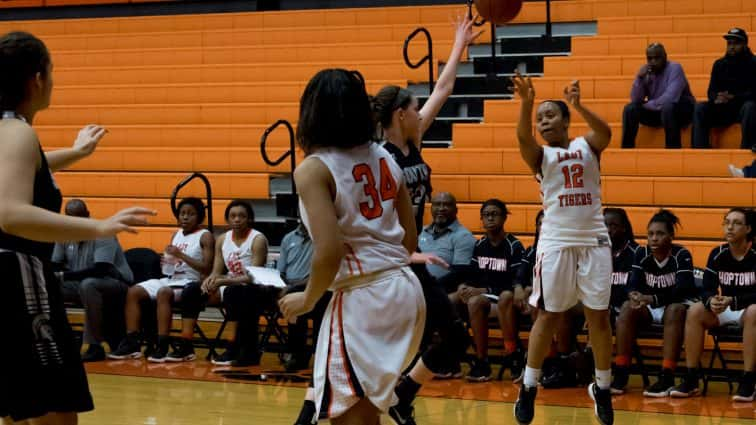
(574, 259)
(357, 208)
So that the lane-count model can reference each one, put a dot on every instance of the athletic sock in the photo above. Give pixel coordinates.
(407, 389)
(531, 377)
(603, 378)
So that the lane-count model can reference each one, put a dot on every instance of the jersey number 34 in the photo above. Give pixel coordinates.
(385, 190)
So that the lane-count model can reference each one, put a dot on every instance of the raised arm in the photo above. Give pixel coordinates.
(445, 85)
(530, 150)
(84, 145)
(600, 134)
(21, 158)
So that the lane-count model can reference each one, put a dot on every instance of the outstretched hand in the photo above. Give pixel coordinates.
(124, 221)
(523, 87)
(572, 93)
(88, 138)
(464, 34)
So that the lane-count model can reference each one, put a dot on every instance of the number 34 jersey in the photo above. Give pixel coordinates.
(571, 191)
(367, 184)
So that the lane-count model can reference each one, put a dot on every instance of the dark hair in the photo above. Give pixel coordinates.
(22, 56)
(563, 108)
(625, 220)
(538, 232)
(668, 218)
(388, 100)
(750, 217)
(498, 203)
(335, 111)
(195, 203)
(244, 204)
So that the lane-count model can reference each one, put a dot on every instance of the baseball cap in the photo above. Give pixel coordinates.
(737, 34)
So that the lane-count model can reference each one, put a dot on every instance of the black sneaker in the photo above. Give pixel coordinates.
(226, 358)
(662, 386)
(619, 383)
(94, 353)
(453, 372)
(480, 372)
(403, 414)
(524, 408)
(562, 378)
(129, 348)
(184, 352)
(746, 391)
(602, 404)
(296, 363)
(687, 388)
(160, 353)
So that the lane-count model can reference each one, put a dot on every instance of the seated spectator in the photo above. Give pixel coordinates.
(660, 97)
(495, 261)
(96, 275)
(731, 269)
(294, 264)
(624, 248)
(732, 94)
(231, 286)
(661, 284)
(185, 260)
(447, 239)
(749, 171)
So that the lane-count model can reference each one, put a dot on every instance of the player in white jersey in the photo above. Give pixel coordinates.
(235, 250)
(358, 210)
(573, 259)
(190, 255)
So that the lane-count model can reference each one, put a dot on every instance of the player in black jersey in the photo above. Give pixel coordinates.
(731, 269)
(623, 254)
(661, 284)
(403, 123)
(491, 280)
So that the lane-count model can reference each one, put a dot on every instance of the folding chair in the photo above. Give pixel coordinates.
(731, 333)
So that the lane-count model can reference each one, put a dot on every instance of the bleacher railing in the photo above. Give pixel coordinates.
(208, 196)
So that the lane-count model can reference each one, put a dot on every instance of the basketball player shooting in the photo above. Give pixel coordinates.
(573, 260)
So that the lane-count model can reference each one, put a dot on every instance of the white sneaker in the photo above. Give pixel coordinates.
(735, 171)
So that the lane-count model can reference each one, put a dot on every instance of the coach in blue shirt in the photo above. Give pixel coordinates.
(446, 237)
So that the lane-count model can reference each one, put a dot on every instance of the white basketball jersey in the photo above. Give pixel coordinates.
(367, 182)
(571, 191)
(191, 247)
(238, 257)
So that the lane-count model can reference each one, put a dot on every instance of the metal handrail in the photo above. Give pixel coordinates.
(208, 195)
(427, 58)
(290, 153)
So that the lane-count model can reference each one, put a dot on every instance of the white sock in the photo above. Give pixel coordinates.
(604, 378)
(531, 377)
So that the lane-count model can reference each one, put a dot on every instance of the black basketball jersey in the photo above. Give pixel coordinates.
(622, 265)
(494, 267)
(417, 177)
(46, 195)
(669, 281)
(737, 279)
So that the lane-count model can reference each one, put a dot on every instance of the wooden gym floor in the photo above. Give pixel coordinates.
(136, 392)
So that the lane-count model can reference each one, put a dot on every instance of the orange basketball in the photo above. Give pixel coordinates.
(498, 11)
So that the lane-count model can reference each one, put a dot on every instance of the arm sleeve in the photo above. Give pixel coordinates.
(58, 255)
(638, 90)
(105, 250)
(714, 82)
(672, 92)
(518, 252)
(637, 275)
(750, 86)
(524, 275)
(464, 245)
(710, 277)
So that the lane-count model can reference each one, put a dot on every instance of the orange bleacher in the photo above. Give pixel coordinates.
(195, 92)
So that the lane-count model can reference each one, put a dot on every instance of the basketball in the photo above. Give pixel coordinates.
(498, 11)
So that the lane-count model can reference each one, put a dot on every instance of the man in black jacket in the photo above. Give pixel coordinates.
(732, 94)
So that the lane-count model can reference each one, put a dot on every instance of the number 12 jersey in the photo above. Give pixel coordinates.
(367, 185)
(571, 191)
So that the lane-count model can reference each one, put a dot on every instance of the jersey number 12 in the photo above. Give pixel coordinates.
(384, 191)
(573, 176)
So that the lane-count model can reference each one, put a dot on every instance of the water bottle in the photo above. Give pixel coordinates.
(168, 265)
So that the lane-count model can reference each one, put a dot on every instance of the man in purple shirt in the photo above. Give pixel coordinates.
(660, 97)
